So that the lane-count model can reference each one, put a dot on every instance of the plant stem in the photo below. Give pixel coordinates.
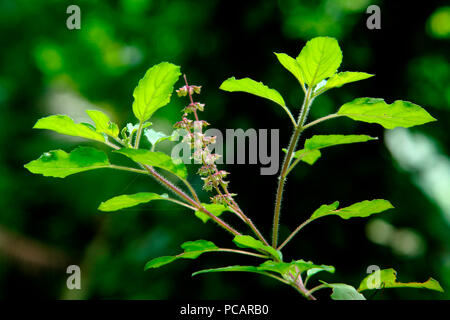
(317, 288)
(287, 160)
(243, 252)
(113, 166)
(296, 161)
(181, 203)
(138, 135)
(293, 234)
(184, 196)
(246, 219)
(191, 190)
(112, 145)
(195, 203)
(312, 123)
(233, 203)
(298, 284)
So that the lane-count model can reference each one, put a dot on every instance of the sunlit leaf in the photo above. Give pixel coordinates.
(257, 88)
(291, 65)
(155, 137)
(387, 278)
(323, 141)
(397, 114)
(243, 241)
(154, 89)
(103, 124)
(215, 209)
(317, 269)
(132, 128)
(130, 200)
(192, 250)
(65, 125)
(339, 79)
(359, 209)
(159, 262)
(60, 164)
(302, 266)
(342, 291)
(310, 153)
(251, 86)
(308, 156)
(319, 59)
(156, 159)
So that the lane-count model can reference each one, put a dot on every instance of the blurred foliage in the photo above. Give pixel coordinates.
(47, 224)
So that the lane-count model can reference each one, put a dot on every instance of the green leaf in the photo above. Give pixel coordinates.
(342, 291)
(324, 141)
(250, 242)
(251, 86)
(360, 209)
(215, 209)
(319, 59)
(129, 200)
(154, 89)
(291, 65)
(269, 267)
(279, 267)
(397, 114)
(103, 124)
(155, 137)
(317, 269)
(132, 128)
(159, 262)
(310, 267)
(339, 79)
(230, 269)
(257, 88)
(310, 153)
(65, 125)
(308, 156)
(156, 159)
(60, 164)
(387, 278)
(192, 250)
(294, 267)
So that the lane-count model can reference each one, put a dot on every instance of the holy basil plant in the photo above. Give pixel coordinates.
(316, 70)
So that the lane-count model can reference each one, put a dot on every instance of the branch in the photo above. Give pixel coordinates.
(286, 162)
(330, 116)
(293, 234)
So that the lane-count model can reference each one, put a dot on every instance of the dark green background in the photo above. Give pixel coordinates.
(47, 224)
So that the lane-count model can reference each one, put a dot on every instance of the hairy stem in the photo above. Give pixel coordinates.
(181, 203)
(293, 234)
(184, 196)
(286, 162)
(312, 123)
(191, 190)
(113, 166)
(243, 252)
(298, 284)
(297, 160)
(246, 219)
